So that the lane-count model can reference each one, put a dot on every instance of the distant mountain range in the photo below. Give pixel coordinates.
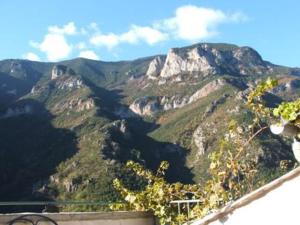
(67, 128)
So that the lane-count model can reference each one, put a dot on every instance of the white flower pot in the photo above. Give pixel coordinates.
(277, 128)
(296, 149)
(285, 129)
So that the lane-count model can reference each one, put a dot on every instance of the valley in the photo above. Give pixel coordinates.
(67, 128)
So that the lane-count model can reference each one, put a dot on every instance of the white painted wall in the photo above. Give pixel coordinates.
(281, 206)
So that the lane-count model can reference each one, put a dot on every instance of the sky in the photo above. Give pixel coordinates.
(116, 30)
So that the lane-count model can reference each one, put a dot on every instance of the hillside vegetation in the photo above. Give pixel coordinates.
(68, 128)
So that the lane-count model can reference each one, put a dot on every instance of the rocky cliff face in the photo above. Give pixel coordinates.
(59, 70)
(149, 105)
(208, 59)
(200, 142)
(194, 60)
(207, 89)
(76, 104)
(84, 120)
(69, 83)
(290, 85)
(21, 70)
(155, 67)
(145, 106)
(16, 67)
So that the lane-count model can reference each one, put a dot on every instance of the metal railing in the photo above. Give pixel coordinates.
(187, 202)
(53, 203)
(33, 219)
(49, 206)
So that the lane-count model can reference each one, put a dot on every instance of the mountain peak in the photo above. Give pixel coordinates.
(209, 58)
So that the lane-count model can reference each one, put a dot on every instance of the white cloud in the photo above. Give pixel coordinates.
(194, 23)
(238, 17)
(83, 31)
(94, 26)
(54, 46)
(89, 54)
(190, 23)
(31, 56)
(81, 45)
(108, 40)
(148, 34)
(134, 35)
(34, 44)
(69, 29)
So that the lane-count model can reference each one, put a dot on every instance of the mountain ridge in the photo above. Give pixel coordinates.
(101, 114)
(216, 44)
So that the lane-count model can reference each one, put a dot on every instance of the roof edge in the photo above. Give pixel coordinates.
(247, 199)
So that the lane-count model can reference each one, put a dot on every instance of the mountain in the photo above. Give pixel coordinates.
(67, 128)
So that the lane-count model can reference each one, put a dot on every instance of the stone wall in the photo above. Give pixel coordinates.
(92, 218)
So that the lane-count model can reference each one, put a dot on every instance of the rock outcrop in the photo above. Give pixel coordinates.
(195, 60)
(60, 70)
(287, 85)
(70, 83)
(119, 126)
(173, 102)
(199, 140)
(72, 184)
(19, 69)
(66, 83)
(213, 105)
(207, 89)
(208, 59)
(16, 67)
(149, 105)
(75, 104)
(155, 67)
(57, 71)
(145, 106)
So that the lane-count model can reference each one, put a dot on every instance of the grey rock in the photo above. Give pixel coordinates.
(60, 70)
(70, 83)
(200, 142)
(76, 104)
(289, 85)
(145, 106)
(195, 60)
(207, 59)
(72, 184)
(155, 67)
(207, 89)
(149, 105)
(16, 67)
(212, 107)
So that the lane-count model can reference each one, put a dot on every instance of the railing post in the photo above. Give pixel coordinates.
(187, 202)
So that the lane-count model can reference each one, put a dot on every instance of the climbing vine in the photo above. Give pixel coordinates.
(232, 175)
(286, 113)
(232, 170)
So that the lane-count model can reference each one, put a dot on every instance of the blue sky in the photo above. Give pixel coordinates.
(118, 30)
